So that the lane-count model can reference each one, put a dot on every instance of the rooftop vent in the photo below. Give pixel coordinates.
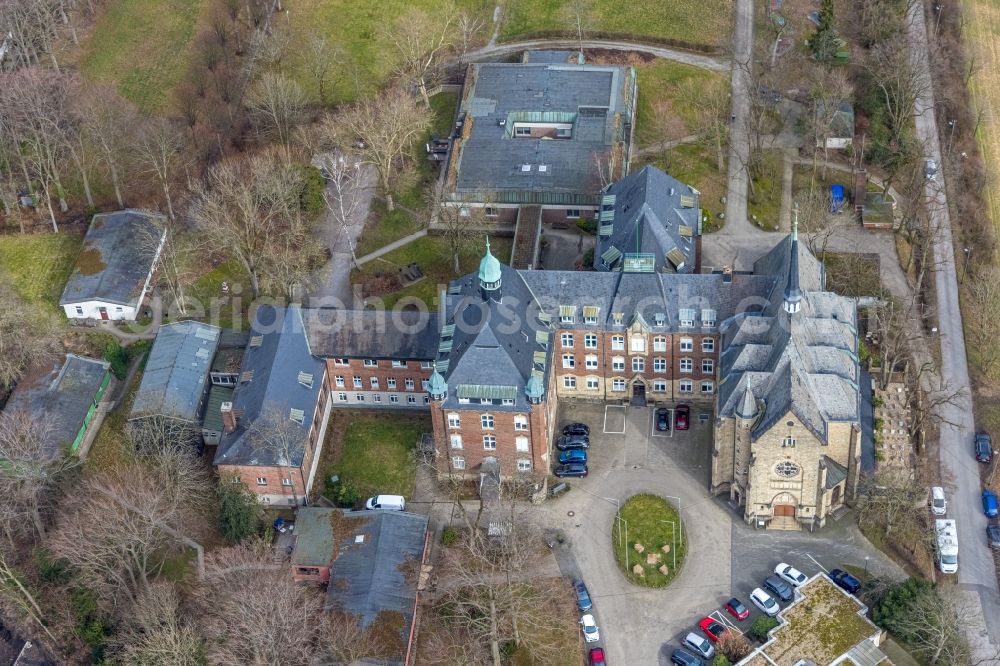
(306, 379)
(543, 168)
(525, 167)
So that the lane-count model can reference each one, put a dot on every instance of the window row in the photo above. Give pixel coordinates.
(393, 398)
(390, 383)
(685, 316)
(637, 343)
(638, 364)
(458, 462)
(487, 421)
(261, 481)
(374, 363)
(619, 384)
(521, 443)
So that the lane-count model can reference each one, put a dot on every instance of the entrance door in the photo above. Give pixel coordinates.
(784, 510)
(104, 313)
(638, 394)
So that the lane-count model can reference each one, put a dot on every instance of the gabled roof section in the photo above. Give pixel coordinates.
(117, 256)
(176, 373)
(376, 334)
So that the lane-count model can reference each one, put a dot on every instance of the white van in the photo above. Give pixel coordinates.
(391, 502)
(939, 505)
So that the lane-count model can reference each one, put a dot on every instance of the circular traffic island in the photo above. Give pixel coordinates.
(648, 540)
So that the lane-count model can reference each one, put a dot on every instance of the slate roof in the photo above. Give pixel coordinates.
(176, 373)
(654, 214)
(842, 122)
(804, 362)
(376, 334)
(117, 256)
(590, 97)
(59, 396)
(269, 381)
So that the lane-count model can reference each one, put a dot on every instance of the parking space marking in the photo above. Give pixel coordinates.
(653, 432)
(624, 412)
(723, 619)
(817, 563)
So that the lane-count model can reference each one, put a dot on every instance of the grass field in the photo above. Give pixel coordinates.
(646, 520)
(660, 82)
(39, 264)
(765, 203)
(143, 48)
(706, 23)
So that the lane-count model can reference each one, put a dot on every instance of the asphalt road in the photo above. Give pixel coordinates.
(739, 143)
(976, 572)
(694, 59)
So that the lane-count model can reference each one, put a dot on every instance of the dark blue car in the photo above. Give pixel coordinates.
(845, 580)
(573, 455)
(583, 600)
(990, 503)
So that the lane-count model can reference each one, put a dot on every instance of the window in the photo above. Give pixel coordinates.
(637, 344)
(707, 366)
(591, 361)
(377, 397)
(520, 422)
(427, 400)
(507, 401)
(618, 363)
(261, 481)
(342, 397)
(286, 482)
(567, 314)
(371, 363)
(523, 465)
(427, 365)
(521, 443)
(707, 387)
(399, 364)
(391, 383)
(569, 361)
(487, 421)
(571, 213)
(687, 365)
(788, 442)
(618, 342)
(489, 442)
(685, 386)
(490, 211)
(566, 339)
(659, 365)
(360, 397)
(357, 382)
(659, 386)
(686, 317)
(660, 319)
(564, 133)
(590, 315)
(374, 383)
(592, 383)
(569, 382)
(590, 341)
(393, 398)
(618, 384)
(638, 364)
(425, 384)
(411, 399)
(339, 379)
(708, 318)
(659, 344)
(522, 131)
(408, 382)
(457, 462)
(79, 310)
(687, 344)
(454, 421)
(340, 361)
(708, 345)
(616, 318)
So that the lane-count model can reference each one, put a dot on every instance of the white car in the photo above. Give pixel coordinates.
(790, 574)
(699, 644)
(590, 632)
(939, 505)
(764, 601)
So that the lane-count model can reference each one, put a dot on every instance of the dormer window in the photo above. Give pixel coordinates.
(616, 318)
(686, 317)
(567, 314)
(708, 318)
(660, 319)
(590, 315)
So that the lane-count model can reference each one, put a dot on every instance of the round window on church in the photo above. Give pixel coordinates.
(786, 468)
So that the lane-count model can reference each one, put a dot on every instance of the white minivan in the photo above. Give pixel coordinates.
(939, 505)
(391, 502)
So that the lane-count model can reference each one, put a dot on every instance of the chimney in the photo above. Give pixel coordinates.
(228, 417)
(727, 275)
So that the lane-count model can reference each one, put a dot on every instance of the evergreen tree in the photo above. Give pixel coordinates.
(238, 510)
(825, 42)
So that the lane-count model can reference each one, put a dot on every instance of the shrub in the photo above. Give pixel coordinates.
(733, 646)
(760, 627)
(238, 511)
(51, 570)
(311, 190)
(587, 226)
(90, 623)
(588, 259)
(897, 601)
(118, 357)
(449, 537)
(720, 660)
(344, 494)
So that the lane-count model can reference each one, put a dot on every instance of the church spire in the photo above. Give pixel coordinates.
(793, 296)
(490, 275)
(747, 409)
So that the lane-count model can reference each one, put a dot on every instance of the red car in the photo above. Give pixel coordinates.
(712, 628)
(736, 608)
(597, 657)
(682, 417)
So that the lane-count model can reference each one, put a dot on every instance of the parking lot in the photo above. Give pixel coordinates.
(725, 557)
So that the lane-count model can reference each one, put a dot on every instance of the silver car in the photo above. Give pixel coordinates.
(700, 645)
(930, 169)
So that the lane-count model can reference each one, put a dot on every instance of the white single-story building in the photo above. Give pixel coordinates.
(115, 266)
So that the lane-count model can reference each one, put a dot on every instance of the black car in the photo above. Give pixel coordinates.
(779, 588)
(984, 447)
(845, 580)
(568, 442)
(583, 600)
(663, 419)
(576, 429)
(571, 469)
(685, 658)
(993, 536)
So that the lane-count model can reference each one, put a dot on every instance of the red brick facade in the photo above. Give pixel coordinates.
(397, 384)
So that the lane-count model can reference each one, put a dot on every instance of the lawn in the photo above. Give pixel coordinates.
(143, 47)
(209, 303)
(376, 454)
(39, 264)
(662, 82)
(431, 254)
(649, 522)
(706, 23)
(764, 201)
(110, 445)
(695, 164)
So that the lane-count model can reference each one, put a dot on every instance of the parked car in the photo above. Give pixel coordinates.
(779, 588)
(597, 657)
(576, 429)
(684, 658)
(790, 574)
(583, 600)
(682, 417)
(984, 447)
(939, 505)
(663, 419)
(845, 580)
(392, 502)
(700, 645)
(590, 631)
(993, 536)
(568, 442)
(764, 601)
(736, 608)
(573, 455)
(712, 628)
(990, 507)
(930, 169)
(571, 469)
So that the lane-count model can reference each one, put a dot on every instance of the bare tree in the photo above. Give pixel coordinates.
(828, 89)
(420, 40)
(604, 168)
(734, 646)
(470, 25)
(462, 224)
(15, 589)
(109, 122)
(579, 17)
(933, 625)
(26, 335)
(384, 127)
(895, 504)
(321, 59)
(984, 313)
(160, 148)
(156, 630)
(344, 192)
(276, 103)
(713, 104)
